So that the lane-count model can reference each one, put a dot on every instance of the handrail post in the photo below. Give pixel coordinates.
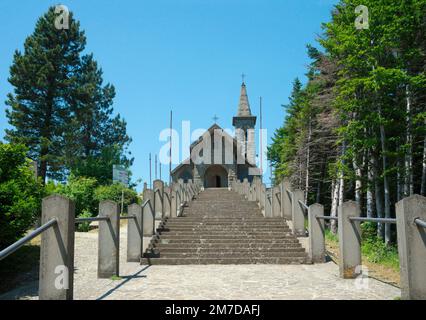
(316, 233)
(268, 203)
(57, 250)
(109, 240)
(276, 201)
(166, 201)
(412, 247)
(285, 199)
(148, 220)
(134, 234)
(246, 187)
(158, 199)
(173, 202)
(297, 215)
(349, 240)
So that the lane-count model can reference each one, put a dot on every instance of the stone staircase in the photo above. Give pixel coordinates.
(222, 227)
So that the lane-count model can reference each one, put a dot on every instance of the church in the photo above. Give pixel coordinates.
(218, 158)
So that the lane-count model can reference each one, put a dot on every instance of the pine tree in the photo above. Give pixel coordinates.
(41, 75)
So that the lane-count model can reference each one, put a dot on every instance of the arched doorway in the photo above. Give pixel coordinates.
(216, 177)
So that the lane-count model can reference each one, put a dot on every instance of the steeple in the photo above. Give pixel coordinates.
(244, 123)
(244, 106)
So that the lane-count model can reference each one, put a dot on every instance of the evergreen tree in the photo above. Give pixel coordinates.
(41, 77)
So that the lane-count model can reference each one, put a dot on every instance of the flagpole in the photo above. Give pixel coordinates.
(170, 163)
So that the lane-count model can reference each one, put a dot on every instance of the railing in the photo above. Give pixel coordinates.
(57, 234)
(410, 220)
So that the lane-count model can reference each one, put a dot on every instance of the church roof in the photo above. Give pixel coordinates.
(244, 106)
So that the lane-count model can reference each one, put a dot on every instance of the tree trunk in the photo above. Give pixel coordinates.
(408, 174)
(385, 184)
(358, 183)
(308, 151)
(334, 203)
(423, 185)
(378, 194)
(370, 178)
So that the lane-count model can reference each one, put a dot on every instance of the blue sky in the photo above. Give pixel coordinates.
(185, 55)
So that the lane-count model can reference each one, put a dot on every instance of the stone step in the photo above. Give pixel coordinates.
(251, 260)
(229, 246)
(229, 237)
(196, 241)
(229, 255)
(235, 250)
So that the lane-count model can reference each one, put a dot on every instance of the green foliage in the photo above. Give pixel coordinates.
(20, 193)
(84, 226)
(81, 190)
(114, 192)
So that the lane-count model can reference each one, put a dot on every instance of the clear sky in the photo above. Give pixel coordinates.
(185, 55)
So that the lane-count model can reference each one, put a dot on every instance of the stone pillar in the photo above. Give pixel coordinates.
(268, 203)
(158, 199)
(412, 247)
(276, 201)
(316, 234)
(166, 201)
(148, 213)
(285, 200)
(134, 233)
(349, 240)
(57, 250)
(109, 240)
(262, 198)
(246, 187)
(297, 216)
(173, 202)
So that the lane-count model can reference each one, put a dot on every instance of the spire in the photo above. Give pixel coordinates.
(244, 107)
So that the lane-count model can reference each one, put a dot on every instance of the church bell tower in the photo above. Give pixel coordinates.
(244, 123)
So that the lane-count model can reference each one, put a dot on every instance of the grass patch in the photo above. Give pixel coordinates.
(116, 278)
(373, 249)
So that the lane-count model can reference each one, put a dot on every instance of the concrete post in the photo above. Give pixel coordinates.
(412, 247)
(268, 203)
(349, 240)
(109, 240)
(276, 201)
(148, 213)
(262, 202)
(316, 234)
(258, 183)
(246, 187)
(173, 205)
(57, 250)
(134, 233)
(285, 200)
(297, 216)
(158, 199)
(166, 201)
(179, 199)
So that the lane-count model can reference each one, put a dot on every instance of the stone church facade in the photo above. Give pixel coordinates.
(217, 158)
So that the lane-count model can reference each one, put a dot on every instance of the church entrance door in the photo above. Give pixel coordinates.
(216, 177)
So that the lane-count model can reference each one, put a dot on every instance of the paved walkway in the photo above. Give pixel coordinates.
(231, 282)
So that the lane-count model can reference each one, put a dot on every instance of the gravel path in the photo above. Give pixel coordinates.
(231, 282)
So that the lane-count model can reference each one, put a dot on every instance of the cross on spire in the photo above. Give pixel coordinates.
(215, 118)
(243, 76)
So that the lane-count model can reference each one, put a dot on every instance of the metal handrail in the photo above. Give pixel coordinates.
(420, 223)
(289, 194)
(327, 217)
(127, 217)
(18, 244)
(147, 201)
(379, 220)
(303, 205)
(90, 219)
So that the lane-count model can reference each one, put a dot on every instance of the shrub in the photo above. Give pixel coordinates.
(84, 226)
(20, 193)
(81, 191)
(113, 192)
